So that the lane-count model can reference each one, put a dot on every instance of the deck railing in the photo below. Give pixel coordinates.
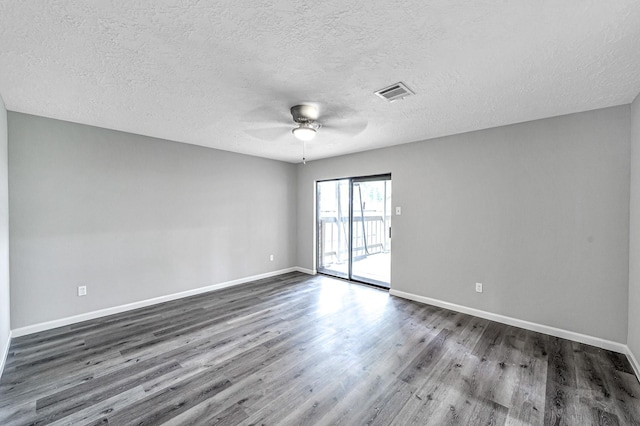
(370, 236)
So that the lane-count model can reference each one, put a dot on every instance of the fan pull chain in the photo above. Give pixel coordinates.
(304, 160)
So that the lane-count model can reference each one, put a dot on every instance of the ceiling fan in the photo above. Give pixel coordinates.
(305, 116)
(327, 123)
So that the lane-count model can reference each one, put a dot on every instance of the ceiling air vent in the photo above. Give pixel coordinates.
(394, 92)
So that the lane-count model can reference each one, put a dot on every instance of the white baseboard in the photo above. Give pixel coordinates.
(557, 332)
(305, 270)
(634, 362)
(5, 354)
(36, 328)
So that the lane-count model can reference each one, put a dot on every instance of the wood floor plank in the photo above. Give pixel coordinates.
(429, 403)
(363, 363)
(309, 350)
(528, 401)
(60, 404)
(97, 413)
(166, 404)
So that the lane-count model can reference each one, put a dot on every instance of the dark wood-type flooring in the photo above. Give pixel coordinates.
(297, 349)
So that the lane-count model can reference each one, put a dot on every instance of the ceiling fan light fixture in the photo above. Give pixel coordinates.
(304, 132)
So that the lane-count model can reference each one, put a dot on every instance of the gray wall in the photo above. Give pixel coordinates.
(4, 235)
(634, 244)
(538, 212)
(134, 217)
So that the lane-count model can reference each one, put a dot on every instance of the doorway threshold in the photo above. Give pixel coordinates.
(376, 285)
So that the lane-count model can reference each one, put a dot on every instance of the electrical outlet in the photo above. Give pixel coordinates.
(479, 287)
(271, 258)
(82, 290)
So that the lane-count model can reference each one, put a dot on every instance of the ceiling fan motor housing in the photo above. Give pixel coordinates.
(304, 113)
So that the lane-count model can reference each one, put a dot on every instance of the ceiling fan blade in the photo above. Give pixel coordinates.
(337, 112)
(270, 133)
(346, 127)
(267, 116)
(274, 122)
(267, 123)
(341, 119)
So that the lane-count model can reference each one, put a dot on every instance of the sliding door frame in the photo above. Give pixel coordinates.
(351, 180)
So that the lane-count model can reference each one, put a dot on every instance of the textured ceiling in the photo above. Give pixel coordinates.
(223, 74)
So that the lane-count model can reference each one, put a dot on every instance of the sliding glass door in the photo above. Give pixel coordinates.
(333, 227)
(354, 229)
(371, 230)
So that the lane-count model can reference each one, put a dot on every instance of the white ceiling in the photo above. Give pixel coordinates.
(218, 73)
